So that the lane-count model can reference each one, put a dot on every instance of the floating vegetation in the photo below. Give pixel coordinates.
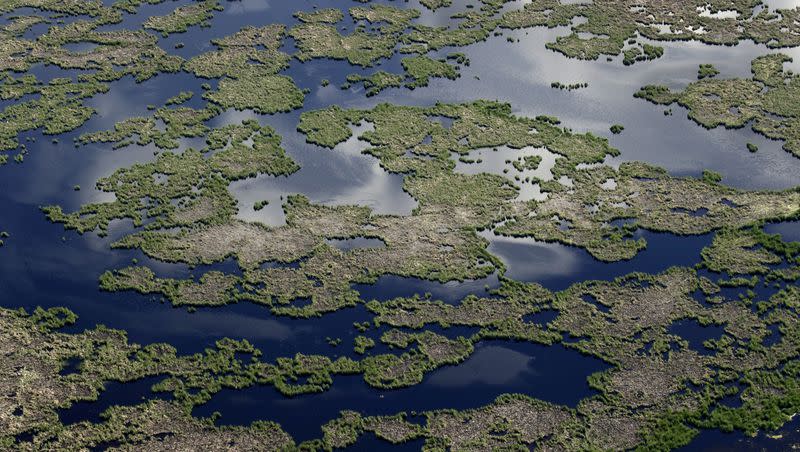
(57, 106)
(377, 81)
(707, 71)
(328, 15)
(528, 162)
(182, 97)
(180, 122)
(570, 87)
(613, 28)
(646, 53)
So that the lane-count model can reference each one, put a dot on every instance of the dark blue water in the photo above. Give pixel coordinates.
(41, 264)
(115, 393)
(388, 287)
(557, 266)
(789, 230)
(356, 243)
(555, 374)
(786, 438)
(696, 334)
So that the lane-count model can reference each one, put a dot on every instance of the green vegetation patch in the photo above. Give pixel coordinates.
(417, 73)
(257, 91)
(435, 4)
(768, 101)
(327, 15)
(740, 252)
(707, 71)
(57, 107)
(183, 17)
(320, 39)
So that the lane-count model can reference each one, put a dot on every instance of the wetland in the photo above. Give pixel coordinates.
(437, 225)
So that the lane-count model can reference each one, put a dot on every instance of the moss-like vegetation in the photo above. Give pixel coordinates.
(259, 92)
(180, 98)
(435, 4)
(422, 69)
(528, 162)
(249, 62)
(328, 15)
(418, 72)
(132, 6)
(38, 351)
(569, 87)
(58, 107)
(377, 81)
(647, 52)
(611, 26)
(362, 343)
(707, 71)
(180, 122)
(321, 39)
(740, 252)
(183, 17)
(186, 188)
